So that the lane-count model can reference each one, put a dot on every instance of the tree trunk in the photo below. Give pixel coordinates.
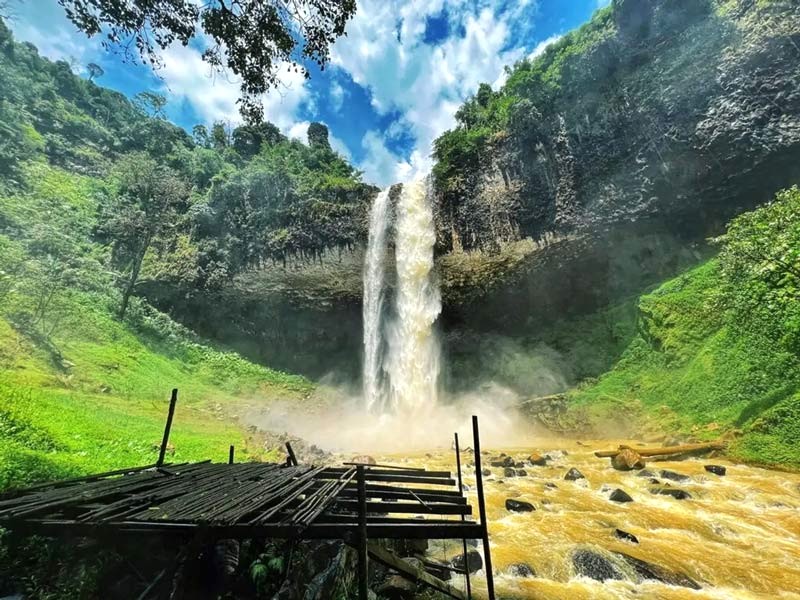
(137, 267)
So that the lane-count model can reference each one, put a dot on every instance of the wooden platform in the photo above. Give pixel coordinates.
(204, 502)
(246, 500)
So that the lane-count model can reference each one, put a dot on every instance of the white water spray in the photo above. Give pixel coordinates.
(374, 275)
(413, 360)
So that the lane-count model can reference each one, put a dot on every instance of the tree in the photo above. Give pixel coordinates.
(200, 136)
(220, 135)
(318, 136)
(143, 208)
(151, 103)
(95, 70)
(252, 38)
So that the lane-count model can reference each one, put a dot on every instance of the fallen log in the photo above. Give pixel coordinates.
(645, 452)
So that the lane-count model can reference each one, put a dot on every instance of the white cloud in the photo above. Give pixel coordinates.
(337, 94)
(213, 95)
(542, 46)
(426, 83)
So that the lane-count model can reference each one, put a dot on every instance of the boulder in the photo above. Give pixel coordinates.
(645, 473)
(624, 535)
(397, 588)
(519, 464)
(509, 472)
(573, 475)
(674, 492)
(537, 460)
(550, 485)
(716, 469)
(363, 460)
(519, 506)
(503, 461)
(647, 570)
(619, 495)
(522, 473)
(594, 565)
(673, 476)
(486, 472)
(627, 460)
(521, 570)
(472, 563)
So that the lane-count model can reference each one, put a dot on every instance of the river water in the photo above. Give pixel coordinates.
(738, 536)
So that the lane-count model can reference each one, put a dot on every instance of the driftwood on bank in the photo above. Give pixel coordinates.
(646, 452)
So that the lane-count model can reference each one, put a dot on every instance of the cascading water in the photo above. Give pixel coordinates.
(413, 360)
(411, 364)
(374, 275)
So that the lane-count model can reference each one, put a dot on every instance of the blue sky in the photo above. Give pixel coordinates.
(394, 84)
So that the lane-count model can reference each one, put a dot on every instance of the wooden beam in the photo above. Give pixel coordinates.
(413, 573)
(645, 452)
(407, 507)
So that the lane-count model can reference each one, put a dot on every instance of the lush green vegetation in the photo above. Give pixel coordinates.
(94, 195)
(717, 347)
(81, 390)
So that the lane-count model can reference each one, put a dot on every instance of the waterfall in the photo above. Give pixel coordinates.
(374, 275)
(413, 359)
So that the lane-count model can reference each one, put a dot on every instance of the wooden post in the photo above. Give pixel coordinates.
(172, 401)
(230, 455)
(487, 554)
(463, 518)
(363, 571)
(292, 457)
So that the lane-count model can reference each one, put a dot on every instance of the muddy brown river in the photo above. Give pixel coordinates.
(738, 536)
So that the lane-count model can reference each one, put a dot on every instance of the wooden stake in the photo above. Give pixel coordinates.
(463, 517)
(172, 401)
(487, 554)
(363, 570)
(230, 455)
(292, 457)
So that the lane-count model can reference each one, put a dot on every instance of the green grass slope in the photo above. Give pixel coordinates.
(81, 391)
(716, 348)
(94, 396)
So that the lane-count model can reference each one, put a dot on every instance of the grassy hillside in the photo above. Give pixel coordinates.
(81, 390)
(717, 348)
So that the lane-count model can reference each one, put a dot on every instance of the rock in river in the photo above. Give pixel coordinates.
(674, 492)
(594, 565)
(716, 469)
(473, 562)
(624, 535)
(573, 475)
(647, 570)
(509, 472)
(537, 460)
(627, 460)
(519, 506)
(673, 476)
(619, 495)
(521, 570)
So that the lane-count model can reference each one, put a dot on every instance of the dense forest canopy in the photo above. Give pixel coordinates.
(196, 208)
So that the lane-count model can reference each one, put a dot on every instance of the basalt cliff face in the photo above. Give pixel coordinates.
(687, 112)
(617, 152)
